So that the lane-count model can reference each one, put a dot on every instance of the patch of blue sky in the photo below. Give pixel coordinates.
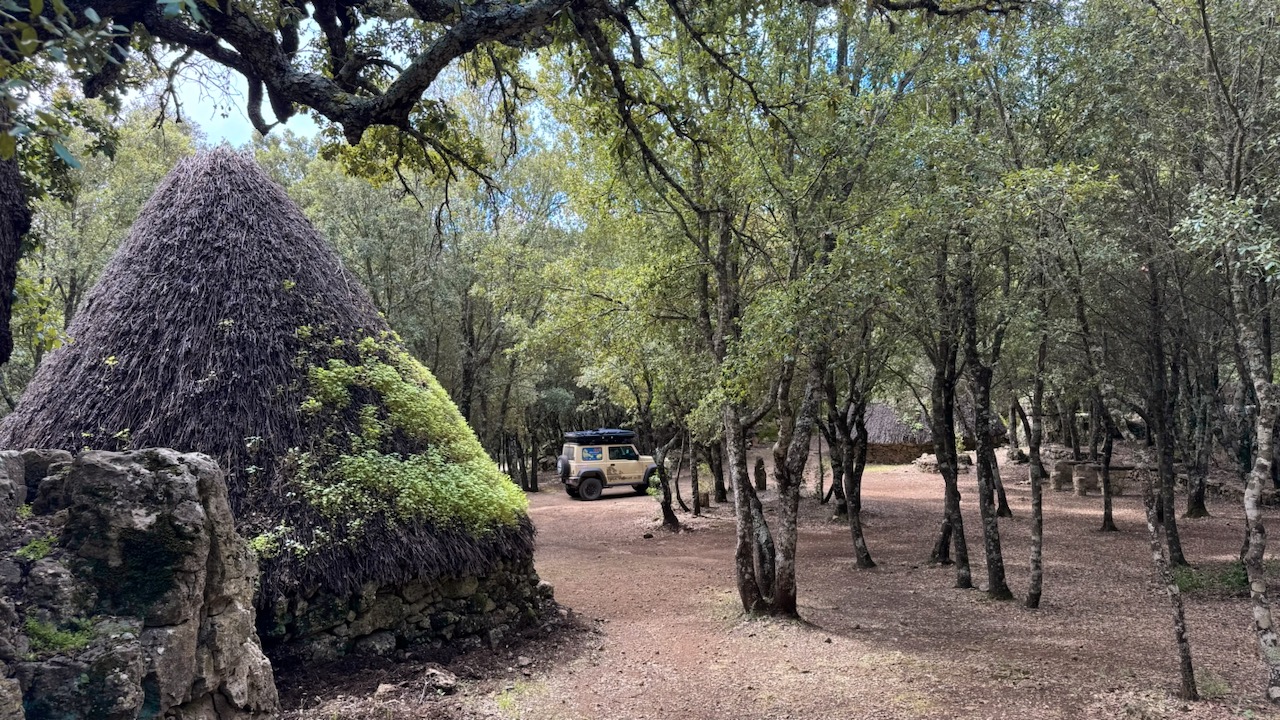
(213, 99)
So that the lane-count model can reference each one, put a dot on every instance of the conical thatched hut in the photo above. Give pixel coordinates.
(226, 325)
(891, 439)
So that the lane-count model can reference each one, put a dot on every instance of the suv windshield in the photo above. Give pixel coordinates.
(625, 452)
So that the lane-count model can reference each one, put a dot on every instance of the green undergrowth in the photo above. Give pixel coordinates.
(1228, 578)
(37, 549)
(391, 443)
(48, 638)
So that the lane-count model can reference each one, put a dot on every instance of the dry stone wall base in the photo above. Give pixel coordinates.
(895, 453)
(126, 593)
(459, 612)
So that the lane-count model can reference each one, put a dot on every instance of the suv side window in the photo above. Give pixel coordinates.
(623, 452)
(590, 454)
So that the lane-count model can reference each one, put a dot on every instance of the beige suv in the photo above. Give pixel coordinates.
(592, 460)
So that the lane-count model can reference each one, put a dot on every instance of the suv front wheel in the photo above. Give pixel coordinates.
(590, 488)
(643, 487)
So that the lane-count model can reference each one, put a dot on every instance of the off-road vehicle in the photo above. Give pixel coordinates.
(592, 460)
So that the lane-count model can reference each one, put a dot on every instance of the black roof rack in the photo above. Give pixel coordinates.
(601, 436)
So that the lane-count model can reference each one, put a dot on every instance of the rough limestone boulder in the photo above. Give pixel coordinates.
(128, 594)
(1063, 470)
(929, 463)
(1085, 478)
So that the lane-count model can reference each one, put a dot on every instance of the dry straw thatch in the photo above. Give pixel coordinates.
(886, 426)
(212, 330)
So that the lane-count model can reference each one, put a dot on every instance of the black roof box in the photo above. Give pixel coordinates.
(602, 436)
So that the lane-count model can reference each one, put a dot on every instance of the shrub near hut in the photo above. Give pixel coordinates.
(226, 325)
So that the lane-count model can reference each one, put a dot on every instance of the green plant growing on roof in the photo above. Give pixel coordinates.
(49, 638)
(364, 468)
(35, 550)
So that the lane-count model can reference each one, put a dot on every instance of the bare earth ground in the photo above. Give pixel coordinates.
(655, 629)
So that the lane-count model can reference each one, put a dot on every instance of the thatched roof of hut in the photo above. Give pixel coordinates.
(887, 426)
(226, 325)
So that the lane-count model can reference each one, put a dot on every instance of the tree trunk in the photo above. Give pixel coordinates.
(693, 479)
(745, 552)
(466, 387)
(715, 459)
(1002, 500)
(980, 384)
(533, 472)
(855, 461)
(1165, 575)
(1202, 441)
(1108, 444)
(821, 482)
(1013, 428)
(944, 446)
(1162, 416)
(997, 588)
(789, 482)
(784, 419)
(676, 479)
(1256, 543)
(1254, 361)
(1034, 436)
(1069, 427)
(669, 519)
(15, 220)
(761, 475)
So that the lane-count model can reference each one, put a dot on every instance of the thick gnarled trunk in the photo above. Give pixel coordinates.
(15, 220)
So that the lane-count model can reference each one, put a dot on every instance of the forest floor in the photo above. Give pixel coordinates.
(654, 627)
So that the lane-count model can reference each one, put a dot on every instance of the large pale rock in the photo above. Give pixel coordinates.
(929, 463)
(152, 590)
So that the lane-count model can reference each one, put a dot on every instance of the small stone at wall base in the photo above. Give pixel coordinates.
(11, 700)
(381, 643)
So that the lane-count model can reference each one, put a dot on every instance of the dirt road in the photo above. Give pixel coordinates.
(665, 637)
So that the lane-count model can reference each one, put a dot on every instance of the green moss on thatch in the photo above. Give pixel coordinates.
(363, 467)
